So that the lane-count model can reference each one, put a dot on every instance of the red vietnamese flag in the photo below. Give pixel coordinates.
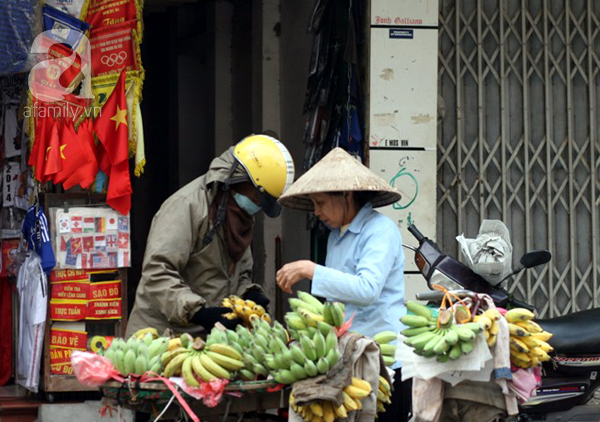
(111, 129)
(52, 160)
(72, 155)
(86, 174)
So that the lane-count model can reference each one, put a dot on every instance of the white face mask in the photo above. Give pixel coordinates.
(246, 203)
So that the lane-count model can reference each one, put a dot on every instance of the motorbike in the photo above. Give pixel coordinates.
(571, 377)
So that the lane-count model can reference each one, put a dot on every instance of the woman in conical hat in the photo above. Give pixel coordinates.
(365, 262)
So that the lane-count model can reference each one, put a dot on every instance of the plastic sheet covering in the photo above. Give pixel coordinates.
(490, 253)
(19, 24)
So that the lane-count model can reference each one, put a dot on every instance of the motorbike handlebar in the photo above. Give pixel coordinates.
(416, 233)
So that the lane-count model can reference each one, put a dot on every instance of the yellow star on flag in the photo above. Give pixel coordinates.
(62, 148)
(120, 117)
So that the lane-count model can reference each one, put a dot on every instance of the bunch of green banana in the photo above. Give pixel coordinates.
(440, 336)
(137, 355)
(328, 411)
(384, 393)
(388, 350)
(528, 341)
(309, 314)
(304, 358)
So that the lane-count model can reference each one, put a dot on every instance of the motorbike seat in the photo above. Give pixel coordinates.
(576, 334)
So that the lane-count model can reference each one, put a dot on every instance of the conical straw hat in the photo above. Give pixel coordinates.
(338, 171)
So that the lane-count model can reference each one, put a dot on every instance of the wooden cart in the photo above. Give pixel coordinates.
(153, 397)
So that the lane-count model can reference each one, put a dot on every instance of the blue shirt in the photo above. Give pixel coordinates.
(364, 269)
(41, 245)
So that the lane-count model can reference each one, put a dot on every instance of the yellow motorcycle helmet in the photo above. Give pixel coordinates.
(270, 167)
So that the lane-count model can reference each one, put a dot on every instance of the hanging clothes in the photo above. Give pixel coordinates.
(333, 105)
(32, 286)
(5, 330)
(35, 231)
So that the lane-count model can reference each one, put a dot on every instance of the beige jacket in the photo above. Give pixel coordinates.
(179, 275)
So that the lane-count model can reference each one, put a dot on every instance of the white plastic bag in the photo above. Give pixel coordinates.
(490, 253)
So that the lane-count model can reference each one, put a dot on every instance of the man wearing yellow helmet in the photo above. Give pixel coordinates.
(198, 249)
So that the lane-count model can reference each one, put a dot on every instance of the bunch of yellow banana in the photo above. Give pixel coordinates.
(489, 321)
(247, 310)
(388, 350)
(384, 392)
(528, 341)
(327, 411)
(215, 361)
(138, 354)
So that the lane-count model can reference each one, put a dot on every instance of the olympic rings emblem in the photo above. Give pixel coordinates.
(114, 59)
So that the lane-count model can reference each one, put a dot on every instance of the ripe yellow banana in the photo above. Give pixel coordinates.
(188, 373)
(544, 335)
(531, 326)
(518, 345)
(213, 367)
(515, 330)
(356, 392)
(316, 408)
(493, 314)
(360, 383)
(385, 384)
(349, 402)
(519, 314)
(173, 368)
(200, 370)
(483, 320)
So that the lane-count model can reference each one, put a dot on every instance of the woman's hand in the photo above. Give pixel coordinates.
(293, 272)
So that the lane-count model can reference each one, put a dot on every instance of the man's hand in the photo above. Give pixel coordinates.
(257, 297)
(293, 272)
(208, 317)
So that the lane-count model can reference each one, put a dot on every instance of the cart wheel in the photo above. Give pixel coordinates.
(50, 397)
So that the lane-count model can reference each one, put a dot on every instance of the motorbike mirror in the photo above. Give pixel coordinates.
(535, 258)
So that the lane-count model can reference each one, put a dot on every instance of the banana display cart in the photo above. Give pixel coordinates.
(155, 398)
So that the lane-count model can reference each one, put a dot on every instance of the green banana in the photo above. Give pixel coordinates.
(337, 313)
(332, 357)
(320, 346)
(308, 347)
(415, 331)
(331, 342)
(419, 309)
(141, 363)
(388, 349)
(297, 354)
(313, 301)
(322, 365)
(310, 368)
(414, 321)
(386, 336)
(129, 362)
(298, 371)
(327, 315)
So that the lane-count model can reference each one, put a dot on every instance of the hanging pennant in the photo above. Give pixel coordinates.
(103, 13)
(63, 28)
(71, 7)
(115, 48)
